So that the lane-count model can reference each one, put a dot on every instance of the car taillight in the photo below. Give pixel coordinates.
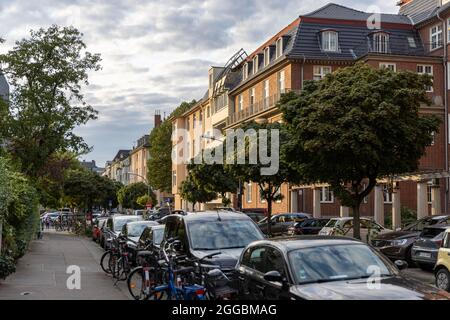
(438, 242)
(200, 292)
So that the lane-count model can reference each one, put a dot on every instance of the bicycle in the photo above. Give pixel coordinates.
(168, 282)
(119, 262)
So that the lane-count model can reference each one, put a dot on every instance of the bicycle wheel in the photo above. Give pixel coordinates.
(113, 264)
(104, 262)
(136, 284)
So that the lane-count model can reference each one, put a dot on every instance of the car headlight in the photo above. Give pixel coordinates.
(399, 242)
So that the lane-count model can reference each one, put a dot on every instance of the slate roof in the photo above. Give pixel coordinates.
(422, 10)
(122, 154)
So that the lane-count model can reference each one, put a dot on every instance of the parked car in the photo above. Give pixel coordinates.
(139, 212)
(397, 245)
(97, 228)
(308, 227)
(324, 268)
(255, 216)
(151, 236)
(202, 234)
(442, 269)
(133, 230)
(425, 249)
(280, 223)
(114, 226)
(344, 227)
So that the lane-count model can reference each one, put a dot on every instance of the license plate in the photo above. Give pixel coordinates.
(424, 254)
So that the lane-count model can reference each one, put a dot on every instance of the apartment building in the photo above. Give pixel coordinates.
(138, 160)
(318, 43)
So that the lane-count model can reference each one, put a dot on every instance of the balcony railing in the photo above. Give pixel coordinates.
(257, 107)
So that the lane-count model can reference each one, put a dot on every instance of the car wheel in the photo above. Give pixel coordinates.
(443, 279)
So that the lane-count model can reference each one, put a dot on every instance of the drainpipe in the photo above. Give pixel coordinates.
(445, 36)
(302, 73)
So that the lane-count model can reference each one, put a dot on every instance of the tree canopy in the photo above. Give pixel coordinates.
(47, 71)
(130, 196)
(356, 125)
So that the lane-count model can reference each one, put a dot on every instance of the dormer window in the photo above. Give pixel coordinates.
(330, 41)
(266, 56)
(245, 71)
(436, 37)
(279, 50)
(255, 64)
(381, 42)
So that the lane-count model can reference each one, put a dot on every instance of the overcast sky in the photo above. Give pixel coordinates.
(156, 53)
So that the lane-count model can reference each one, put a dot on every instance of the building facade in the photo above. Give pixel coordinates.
(317, 44)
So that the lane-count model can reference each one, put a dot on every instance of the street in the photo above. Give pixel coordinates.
(41, 273)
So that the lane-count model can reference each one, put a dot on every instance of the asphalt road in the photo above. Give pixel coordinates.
(42, 273)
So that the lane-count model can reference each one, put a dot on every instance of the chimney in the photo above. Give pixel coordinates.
(157, 119)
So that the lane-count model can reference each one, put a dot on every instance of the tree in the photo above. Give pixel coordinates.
(269, 184)
(47, 72)
(195, 193)
(213, 178)
(160, 162)
(129, 195)
(356, 125)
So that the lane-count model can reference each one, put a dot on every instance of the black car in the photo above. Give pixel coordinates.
(308, 227)
(324, 268)
(426, 249)
(280, 223)
(397, 245)
(256, 216)
(202, 234)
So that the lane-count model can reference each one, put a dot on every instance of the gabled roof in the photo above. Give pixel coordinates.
(339, 12)
(422, 10)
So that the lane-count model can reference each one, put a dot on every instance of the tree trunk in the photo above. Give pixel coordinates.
(269, 217)
(356, 223)
(1, 239)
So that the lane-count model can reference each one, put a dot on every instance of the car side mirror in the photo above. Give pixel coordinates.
(401, 264)
(273, 276)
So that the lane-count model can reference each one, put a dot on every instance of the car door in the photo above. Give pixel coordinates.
(277, 224)
(274, 261)
(251, 272)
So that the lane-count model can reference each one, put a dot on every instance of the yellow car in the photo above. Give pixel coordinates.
(442, 269)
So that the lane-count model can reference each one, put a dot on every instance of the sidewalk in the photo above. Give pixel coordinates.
(41, 273)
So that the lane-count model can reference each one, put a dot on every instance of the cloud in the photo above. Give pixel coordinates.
(156, 53)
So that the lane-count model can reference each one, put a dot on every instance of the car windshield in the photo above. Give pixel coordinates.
(158, 235)
(135, 229)
(331, 224)
(119, 223)
(334, 263)
(421, 224)
(431, 232)
(225, 234)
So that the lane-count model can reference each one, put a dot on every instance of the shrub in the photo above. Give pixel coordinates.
(7, 266)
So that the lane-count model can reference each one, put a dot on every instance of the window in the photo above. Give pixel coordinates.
(281, 82)
(277, 194)
(274, 261)
(436, 37)
(424, 69)
(320, 72)
(330, 41)
(433, 135)
(188, 125)
(208, 111)
(387, 194)
(211, 80)
(252, 96)
(446, 241)
(266, 93)
(245, 71)
(240, 102)
(412, 42)
(381, 42)
(194, 120)
(255, 64)
(254, 259)
(279, 50)
(200, 118)
(429, 192)
(388, 65)
(326, 195)
(266, 56)
(194, 148)
(249, 192)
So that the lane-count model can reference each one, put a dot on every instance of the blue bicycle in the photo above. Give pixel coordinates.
(178, 281)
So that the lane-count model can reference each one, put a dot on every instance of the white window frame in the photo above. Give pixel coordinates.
(240, 102)
(245, 71)
(381, 42)
(282, 81)
(279, 48)
(266, 56)
(252, 95)
(429, 192)
(326, 195)
(266, 92)
(330, 41)
(436, 32)
(422, 69)
(255, 64)
(319, 72)
(249, 193)
(388, 65)
(387, 196)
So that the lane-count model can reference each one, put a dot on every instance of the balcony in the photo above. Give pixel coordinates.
(257, 108)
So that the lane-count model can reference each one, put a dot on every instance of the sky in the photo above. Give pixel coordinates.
(155, 53)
